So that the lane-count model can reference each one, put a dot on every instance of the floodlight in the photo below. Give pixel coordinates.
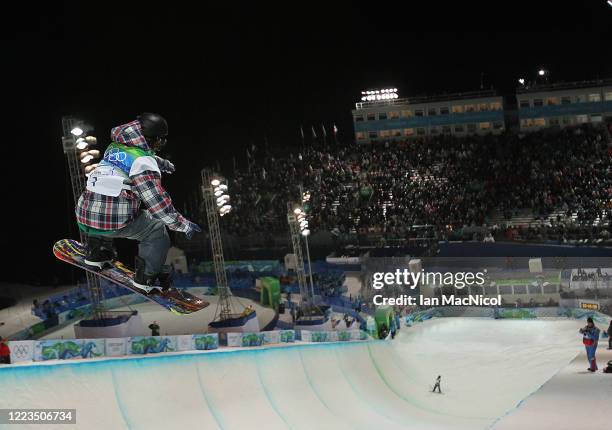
(86, 159)
(215, 182)
(91, 140)
(220, 190)
(90, 168)
(297, 211)
(541, 72)
(522, 81)
(363, 99)
(81, 144)
(305, 232)
(76, 131)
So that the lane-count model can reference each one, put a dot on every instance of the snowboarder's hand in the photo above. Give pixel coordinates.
(165, 165)
(193, 229)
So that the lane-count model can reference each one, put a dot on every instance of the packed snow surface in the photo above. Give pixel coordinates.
(487, 366)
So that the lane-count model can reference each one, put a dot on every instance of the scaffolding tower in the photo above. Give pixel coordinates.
(77, 180)
(224, 306)
(294, 230)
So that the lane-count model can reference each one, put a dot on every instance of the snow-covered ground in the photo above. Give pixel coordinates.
(573, 399)
(171, 324)
(488, 367)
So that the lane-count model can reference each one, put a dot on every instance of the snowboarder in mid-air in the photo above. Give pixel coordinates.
(124, 198)
(437, 385)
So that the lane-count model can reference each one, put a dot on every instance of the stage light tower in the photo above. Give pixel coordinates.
(305, 231)
(295, 216)
(217, 203)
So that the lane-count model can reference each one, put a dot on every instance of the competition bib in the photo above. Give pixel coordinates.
(107, 180)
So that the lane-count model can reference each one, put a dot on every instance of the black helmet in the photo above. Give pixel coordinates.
(153, 125)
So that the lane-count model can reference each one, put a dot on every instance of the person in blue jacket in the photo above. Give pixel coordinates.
(590, 338)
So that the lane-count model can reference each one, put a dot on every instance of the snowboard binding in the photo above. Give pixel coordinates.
(100, 252)
(149, 283)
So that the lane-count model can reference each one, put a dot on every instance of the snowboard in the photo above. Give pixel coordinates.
(176, 301)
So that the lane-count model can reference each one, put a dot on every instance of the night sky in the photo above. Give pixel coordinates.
(226, 77)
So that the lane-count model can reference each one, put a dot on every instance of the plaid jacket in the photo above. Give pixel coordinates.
(113, 213)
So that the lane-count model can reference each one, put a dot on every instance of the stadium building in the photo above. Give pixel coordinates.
(457, 114)
(564, 104)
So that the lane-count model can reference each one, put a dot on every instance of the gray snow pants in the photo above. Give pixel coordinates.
(153, 238)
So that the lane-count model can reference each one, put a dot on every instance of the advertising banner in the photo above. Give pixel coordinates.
(116, 347)
(234, 339)
(253, 339)
(21, 350)
(205, 341)
(184, 343)
(68, 349)
(320, 336)
(287, 336)
(358, 335)
(271, 337)
(344, 335)
(92, 348)
(151, 344)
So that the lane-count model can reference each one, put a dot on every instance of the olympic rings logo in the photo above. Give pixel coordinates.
(116, 155)
(21, 351)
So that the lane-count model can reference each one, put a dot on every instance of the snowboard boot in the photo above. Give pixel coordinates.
(141, 280)
(100, 252)
(165, 279)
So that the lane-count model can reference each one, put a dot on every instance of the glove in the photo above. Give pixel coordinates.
(165, 165)
(192, 230)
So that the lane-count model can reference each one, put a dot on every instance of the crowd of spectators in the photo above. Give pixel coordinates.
(444, 181)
